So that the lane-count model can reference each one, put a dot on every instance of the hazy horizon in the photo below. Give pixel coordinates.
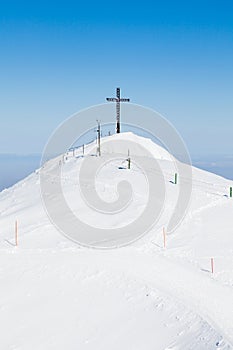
(15, 167)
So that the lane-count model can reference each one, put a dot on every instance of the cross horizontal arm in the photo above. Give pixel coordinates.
(124, 100)
(112, 99)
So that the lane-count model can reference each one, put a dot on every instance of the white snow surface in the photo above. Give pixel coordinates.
(55, 294)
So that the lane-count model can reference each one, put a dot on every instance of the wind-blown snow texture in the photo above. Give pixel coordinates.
(57, 295)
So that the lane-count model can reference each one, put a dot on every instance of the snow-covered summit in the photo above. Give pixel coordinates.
(157, 151)
(56, 294)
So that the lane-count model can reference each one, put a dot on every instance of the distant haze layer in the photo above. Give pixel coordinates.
(16, 167)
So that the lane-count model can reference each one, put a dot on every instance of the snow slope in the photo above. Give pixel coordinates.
(56, 294)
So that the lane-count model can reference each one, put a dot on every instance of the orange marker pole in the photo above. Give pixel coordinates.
(16, 233)
(164, 238)
(212, 264)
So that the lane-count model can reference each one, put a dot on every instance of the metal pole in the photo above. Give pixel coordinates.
(98, 138)
(212, 264)
(129, 163)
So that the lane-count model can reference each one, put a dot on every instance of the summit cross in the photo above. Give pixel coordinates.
(118, 101)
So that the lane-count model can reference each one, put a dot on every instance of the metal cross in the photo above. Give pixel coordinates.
(118, 100)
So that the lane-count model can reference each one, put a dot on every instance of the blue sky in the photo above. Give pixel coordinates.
(173, 56)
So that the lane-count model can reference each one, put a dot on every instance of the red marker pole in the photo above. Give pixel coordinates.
(164, 238)
(16, 233)
(212, 265)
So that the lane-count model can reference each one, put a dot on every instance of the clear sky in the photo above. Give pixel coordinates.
(173, 56)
